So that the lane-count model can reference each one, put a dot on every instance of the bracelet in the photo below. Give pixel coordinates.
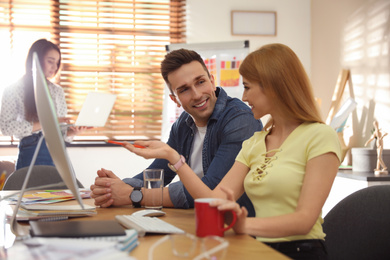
(177, 165)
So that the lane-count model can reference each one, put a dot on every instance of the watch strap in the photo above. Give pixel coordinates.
(177, 165)
(136, 204)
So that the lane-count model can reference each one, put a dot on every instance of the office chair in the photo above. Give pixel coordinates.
(40, 175)
(358, 227)
(8, 167)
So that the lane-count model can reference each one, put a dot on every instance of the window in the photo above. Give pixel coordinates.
(109, 46)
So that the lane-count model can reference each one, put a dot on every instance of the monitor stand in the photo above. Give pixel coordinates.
(19, 230)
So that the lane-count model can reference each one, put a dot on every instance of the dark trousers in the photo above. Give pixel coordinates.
(27, 147)
(311, 249)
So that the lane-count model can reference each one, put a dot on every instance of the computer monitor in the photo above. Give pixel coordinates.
(51, 130)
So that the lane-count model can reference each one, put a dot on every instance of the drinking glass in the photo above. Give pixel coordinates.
(153, 188)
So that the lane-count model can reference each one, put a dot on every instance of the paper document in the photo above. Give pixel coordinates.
(51, 212)
(50, 196)
(342, 114)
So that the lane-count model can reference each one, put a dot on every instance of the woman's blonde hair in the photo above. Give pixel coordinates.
(283, 79)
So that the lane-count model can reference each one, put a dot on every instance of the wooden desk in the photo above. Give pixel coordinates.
(240, 246)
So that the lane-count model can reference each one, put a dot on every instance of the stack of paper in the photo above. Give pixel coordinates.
(50, 212)
(40, 205)
(38, 211)
(53, 196)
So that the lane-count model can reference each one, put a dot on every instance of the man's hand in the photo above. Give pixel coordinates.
(108, 190)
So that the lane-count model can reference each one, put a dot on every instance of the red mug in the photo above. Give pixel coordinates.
(209, 220)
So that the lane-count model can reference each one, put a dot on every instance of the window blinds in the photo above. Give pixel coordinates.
(109, 46)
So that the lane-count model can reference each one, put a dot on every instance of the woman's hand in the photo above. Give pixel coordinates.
(75, 130)
(153, 149)
(72, 130)
(64, 120)
(231, 204)
(36, 126)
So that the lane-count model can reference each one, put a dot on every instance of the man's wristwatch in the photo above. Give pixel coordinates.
(177, 165)
(136, 197)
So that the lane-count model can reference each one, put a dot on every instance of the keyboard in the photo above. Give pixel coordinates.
(145, 225)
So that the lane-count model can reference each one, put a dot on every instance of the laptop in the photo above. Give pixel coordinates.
(96, 109)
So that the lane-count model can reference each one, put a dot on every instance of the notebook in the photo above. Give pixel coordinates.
(96, 109)
(91, 228)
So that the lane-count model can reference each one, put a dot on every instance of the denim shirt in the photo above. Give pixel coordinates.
(230, 124)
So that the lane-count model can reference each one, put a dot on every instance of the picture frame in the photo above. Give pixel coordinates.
(263, 23)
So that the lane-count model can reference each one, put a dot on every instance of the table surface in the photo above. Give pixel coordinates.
(362, 176)
(240, 246)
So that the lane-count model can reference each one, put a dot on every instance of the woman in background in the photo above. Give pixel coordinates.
(287, 169)
(18, 109)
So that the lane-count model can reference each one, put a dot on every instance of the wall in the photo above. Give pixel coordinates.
(204, 24)
(328, 20)
(354, 34)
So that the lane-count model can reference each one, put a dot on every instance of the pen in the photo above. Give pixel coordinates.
(123, 144)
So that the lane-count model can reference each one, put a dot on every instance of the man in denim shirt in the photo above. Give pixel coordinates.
(209, 134)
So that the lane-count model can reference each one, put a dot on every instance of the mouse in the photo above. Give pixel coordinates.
(149, 213)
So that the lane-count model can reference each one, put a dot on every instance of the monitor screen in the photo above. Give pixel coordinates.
(51, 130)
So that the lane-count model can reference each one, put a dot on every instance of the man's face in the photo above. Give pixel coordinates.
(194, 90)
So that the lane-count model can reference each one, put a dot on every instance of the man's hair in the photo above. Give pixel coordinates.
(177, 58)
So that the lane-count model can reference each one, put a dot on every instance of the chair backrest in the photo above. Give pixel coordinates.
(8, 167)
(358, 227)
(40, 175)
